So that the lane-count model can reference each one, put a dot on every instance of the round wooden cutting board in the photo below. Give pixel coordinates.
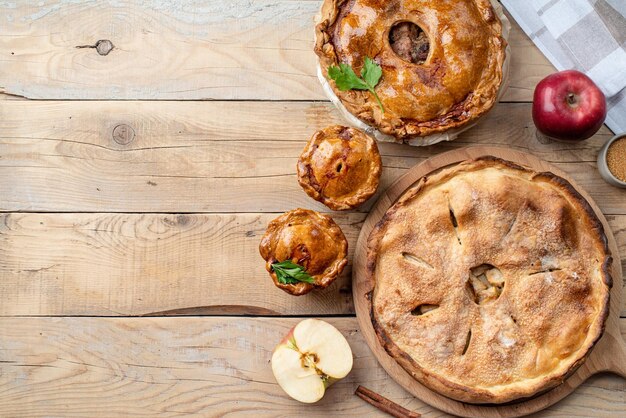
(609, 353)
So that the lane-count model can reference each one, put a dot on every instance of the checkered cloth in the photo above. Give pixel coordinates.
(588, 35)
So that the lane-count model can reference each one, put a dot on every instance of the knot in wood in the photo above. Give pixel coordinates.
(104, 46)
(123, 134)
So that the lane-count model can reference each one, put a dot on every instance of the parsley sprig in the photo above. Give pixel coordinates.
(288, 272)
(346, 79)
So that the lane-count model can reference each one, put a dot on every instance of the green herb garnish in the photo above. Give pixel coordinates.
(288, 272)
(346, 79)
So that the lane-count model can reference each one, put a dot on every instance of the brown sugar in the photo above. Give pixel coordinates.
(616, 158)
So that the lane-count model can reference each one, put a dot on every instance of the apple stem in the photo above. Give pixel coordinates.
(571, 99)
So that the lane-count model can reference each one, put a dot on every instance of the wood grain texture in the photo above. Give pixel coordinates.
(217, 156)
(240, 49)
(135, 367)
(147, 264)
(131, 264)
(609, 353)
(203, 158)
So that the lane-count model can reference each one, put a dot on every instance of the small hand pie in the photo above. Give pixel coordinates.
(490, 281)
(310, 239)
(340, 167)
(441, 60)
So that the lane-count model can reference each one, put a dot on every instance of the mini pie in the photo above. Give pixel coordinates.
(309, 239)
(441, 61)
(340, 167)
(490, 282)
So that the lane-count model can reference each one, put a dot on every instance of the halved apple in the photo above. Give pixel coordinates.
(313, 356)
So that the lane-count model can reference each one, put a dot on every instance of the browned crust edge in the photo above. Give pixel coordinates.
(404, 130)
(325, 223)
(365, 190)
(461, 392)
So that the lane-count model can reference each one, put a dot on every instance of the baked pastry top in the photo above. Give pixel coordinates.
(490, 282)
(441, 60)
(340, 167)
(310, 239)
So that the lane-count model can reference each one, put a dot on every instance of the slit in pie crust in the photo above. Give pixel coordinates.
(490, 281)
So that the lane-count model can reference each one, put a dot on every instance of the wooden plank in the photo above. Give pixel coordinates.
(216, 157)
(142, 264)
(259, 49)
(128, 264)
(198, 366)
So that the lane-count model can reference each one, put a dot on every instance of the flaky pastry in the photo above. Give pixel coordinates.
(309, 239)
(441, 61)
(340, 167)
(490, 281)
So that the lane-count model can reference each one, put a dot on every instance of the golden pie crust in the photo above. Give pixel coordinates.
(309, 239)
(340, 167)
(457, 83)
(539, 305)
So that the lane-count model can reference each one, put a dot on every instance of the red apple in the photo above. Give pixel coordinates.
(568, 106)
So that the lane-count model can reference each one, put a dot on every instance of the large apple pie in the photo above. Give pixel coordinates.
(441, 60)
(490, 282)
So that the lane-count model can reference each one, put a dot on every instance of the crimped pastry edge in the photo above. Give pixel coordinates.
(327, 16)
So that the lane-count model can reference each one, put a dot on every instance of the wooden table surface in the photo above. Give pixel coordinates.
(135, 187)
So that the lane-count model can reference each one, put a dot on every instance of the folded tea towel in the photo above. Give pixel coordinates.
(588, 35)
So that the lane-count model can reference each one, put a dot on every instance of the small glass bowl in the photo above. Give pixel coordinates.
(603, 167)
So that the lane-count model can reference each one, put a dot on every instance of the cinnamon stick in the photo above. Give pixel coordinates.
(384, 404)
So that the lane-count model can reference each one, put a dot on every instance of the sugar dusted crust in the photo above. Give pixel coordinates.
(457, 83)
(551, 250)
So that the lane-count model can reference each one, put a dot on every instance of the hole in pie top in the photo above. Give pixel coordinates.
(485, 283)
(422, 309)
(409, 42)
